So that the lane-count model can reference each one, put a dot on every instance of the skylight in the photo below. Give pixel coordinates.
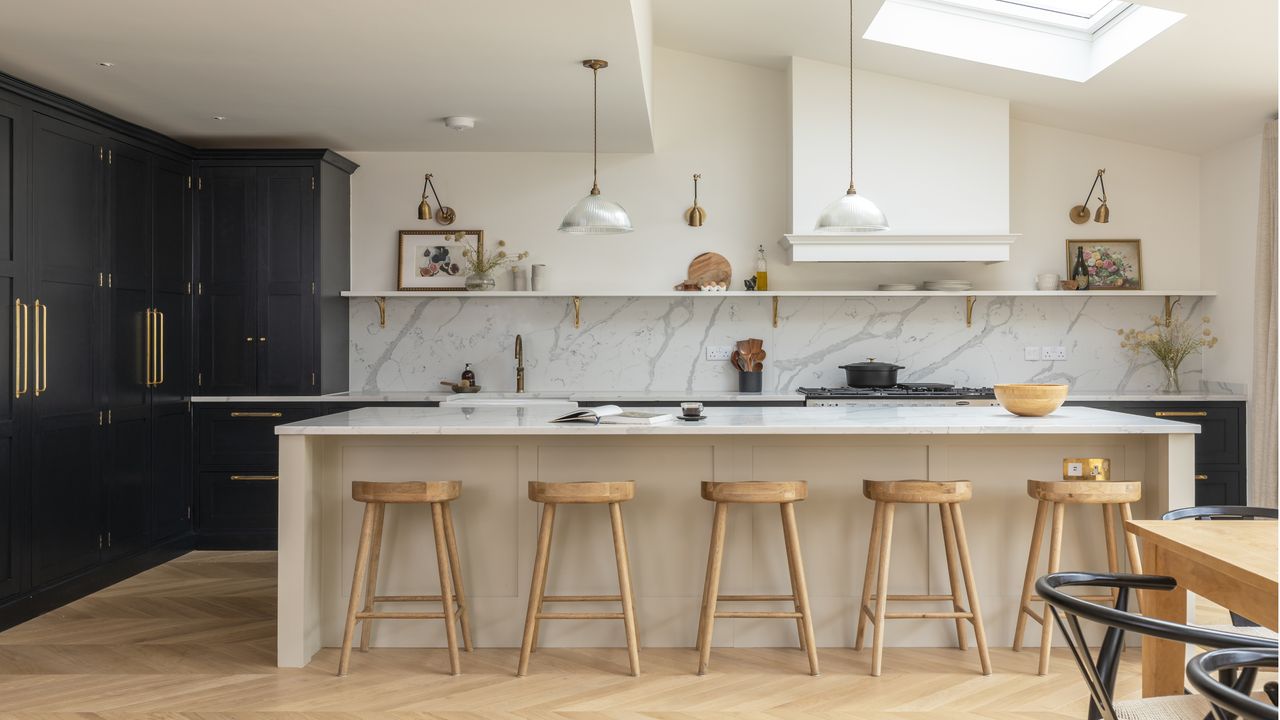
(1068, 39)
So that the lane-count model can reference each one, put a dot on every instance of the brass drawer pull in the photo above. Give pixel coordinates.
(1181, 413)
(1202, 477)
(255, 477)
(256, 413)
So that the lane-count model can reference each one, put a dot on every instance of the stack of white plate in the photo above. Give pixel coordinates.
(948, 285)
(897, 287)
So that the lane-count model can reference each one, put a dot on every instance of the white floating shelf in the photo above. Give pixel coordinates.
(418, 295)
(886, 247)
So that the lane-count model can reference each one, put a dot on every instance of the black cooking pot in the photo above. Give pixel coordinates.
(871, 374)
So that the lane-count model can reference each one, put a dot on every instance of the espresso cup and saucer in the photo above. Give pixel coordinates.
(691, 412)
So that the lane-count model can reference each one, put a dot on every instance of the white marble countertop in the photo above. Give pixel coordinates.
(738, 421)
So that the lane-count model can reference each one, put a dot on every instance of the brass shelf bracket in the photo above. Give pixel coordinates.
(382, 310)
(969, 301)
(577, 311)
(775, 311)
(1170, 301)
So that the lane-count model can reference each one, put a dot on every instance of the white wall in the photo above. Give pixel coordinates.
(1229, 184)
(722, 119)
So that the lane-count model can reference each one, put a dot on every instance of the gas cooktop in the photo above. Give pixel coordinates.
(903, 390)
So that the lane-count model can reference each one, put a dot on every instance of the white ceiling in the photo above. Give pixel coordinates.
(380, 74)
(1208, 80)
(360, 75)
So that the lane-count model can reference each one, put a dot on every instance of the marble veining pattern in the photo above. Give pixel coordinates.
(657, 344)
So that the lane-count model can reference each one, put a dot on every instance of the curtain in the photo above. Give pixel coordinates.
(1263, 451)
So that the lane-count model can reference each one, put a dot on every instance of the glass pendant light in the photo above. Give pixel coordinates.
(853, 212)
(594, 215)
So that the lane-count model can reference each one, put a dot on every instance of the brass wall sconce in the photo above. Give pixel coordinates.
(443, 215)
(1080, 213)
(695, 215)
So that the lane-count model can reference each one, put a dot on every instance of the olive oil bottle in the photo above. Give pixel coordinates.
(762, 271)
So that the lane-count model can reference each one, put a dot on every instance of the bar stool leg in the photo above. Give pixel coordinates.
(795, 593)
(446, 587)
(801, 590)
(882, 589)
(1131, 548)
(537, 586)
(975, 608)
(711, 590)
(1055, 557)
(1113, 556)
(873, 552)
(371, 587)
(357, 583)
(464, 611)
(1028, 580)
(953, 573)
(624, 587)
(537, 623)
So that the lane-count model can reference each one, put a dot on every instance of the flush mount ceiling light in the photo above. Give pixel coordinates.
(106, 64)
(594, 215)
(1067, 39)
(853, 212)
(459, 123)
(219, 117)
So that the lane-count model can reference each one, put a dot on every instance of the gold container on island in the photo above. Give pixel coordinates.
(1031, 399)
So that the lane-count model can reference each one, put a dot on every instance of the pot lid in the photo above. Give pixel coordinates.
(871, 364)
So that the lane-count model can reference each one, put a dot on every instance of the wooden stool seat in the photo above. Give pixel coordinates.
(785, 495)
(405, 492)
(1085, 492)
(551, 494)
(947, 496)
(580, 493)
(1053, 497)
(918, 491)
(755, 492)
(364, 584)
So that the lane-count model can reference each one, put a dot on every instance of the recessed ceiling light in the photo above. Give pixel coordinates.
(219, 117)
(106, 64)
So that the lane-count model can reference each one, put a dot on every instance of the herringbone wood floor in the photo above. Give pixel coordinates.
(195, 639)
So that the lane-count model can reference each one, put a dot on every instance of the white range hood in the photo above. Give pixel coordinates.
(891, 247)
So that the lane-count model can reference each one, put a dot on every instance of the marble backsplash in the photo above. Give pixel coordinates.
(659, 343)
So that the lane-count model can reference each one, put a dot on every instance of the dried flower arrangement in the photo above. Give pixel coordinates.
(1170, 339)
(480, 262)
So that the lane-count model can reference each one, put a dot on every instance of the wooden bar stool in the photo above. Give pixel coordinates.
(1057, 495)
(376, 496)
(551, 494)
(947, 496)
(785, 495)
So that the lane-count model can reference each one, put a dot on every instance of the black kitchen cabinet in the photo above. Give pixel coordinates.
(274, 256)
(1220, 446)
(15, 143)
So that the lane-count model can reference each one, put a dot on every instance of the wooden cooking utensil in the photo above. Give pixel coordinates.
(736, 359)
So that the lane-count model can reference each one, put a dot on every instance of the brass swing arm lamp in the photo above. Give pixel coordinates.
(443, 215)
(1080, 213)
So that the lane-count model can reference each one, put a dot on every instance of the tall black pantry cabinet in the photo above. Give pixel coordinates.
(274, 257)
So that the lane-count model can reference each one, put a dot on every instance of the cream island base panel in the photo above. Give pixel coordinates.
(668, 528)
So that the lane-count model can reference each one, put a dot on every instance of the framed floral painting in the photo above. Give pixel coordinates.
(432, 260)
(1111, 264)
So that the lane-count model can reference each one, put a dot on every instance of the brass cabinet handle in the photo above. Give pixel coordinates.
(160, 351)
(262, 339)
(21, 331)
(147, 353)
(255, 477)
(1182, 413)
(42, 347)
(256, 413)
(1202, 477)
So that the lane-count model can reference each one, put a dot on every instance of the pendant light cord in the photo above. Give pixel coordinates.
(852, 191)
(595, 124)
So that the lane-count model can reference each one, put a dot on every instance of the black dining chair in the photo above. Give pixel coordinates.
(1229, 702)
(1229, 512)
(1100, 673)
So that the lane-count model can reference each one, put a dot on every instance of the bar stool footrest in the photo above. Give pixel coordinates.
(758, 614)
(581, 598)
(400, 616)
(581, 616)
(755, 598)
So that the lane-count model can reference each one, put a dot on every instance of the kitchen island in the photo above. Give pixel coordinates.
(496, 451)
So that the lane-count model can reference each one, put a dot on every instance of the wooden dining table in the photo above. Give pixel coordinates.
(1230, 562)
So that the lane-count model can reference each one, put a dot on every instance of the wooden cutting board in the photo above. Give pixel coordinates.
(710, 268)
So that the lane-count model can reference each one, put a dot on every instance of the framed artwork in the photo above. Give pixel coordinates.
(432, 259)
(1111, 264)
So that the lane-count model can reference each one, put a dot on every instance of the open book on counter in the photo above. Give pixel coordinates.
(614, 415)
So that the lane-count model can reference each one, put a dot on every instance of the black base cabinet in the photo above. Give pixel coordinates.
(1221, 458)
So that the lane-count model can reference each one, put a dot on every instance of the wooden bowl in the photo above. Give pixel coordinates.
(1029, 399)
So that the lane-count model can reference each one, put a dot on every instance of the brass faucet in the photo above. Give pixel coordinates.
(519, 365)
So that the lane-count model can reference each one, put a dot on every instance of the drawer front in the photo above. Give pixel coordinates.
(236, 500)
(1219, 440)
(1220, 486)
(244, 436)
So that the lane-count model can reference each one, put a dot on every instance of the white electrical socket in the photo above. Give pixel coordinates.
(1032, 353)
(1054, 352)
(719, 352)
(1075, 469)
